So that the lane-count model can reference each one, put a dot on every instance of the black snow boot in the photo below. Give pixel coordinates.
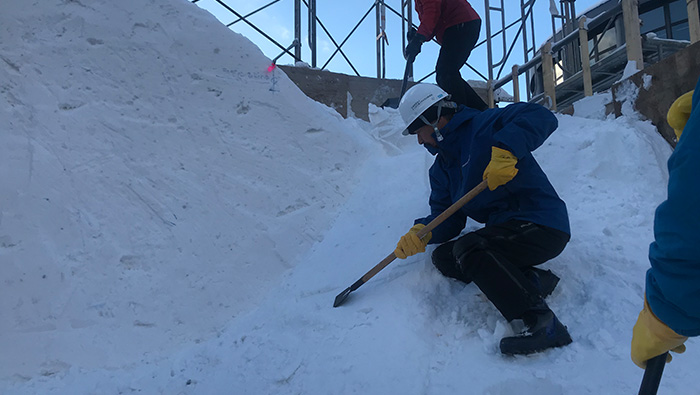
(542, 331)
(544, 280)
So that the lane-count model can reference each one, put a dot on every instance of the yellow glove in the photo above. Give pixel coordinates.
(501, 169)
(679, 113)
(651, 337)
(410, 244)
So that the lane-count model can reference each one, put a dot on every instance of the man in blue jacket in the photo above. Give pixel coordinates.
(671, 310)
(526, 223)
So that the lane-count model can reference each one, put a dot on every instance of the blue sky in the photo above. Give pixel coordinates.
(341, 17)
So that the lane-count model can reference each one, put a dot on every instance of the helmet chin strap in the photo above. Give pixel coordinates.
(438, 135)
(440, 105)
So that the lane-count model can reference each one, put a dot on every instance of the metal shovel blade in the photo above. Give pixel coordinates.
(344, 295)
(341, 297)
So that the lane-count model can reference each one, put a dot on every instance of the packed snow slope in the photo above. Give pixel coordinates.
(155, 179)
(176, 220)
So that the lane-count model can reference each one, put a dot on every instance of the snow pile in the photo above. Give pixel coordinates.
(593, 107)
(174, 220)
(410, 330)
(155, 180)
(630, 70)
(627, 93)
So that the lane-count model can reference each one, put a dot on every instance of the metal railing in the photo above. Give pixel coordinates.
(565, 39)
(495, 68)
(570, 55)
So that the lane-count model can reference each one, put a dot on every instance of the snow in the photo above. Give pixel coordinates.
(593, 106)
(651, 36)
(147, 163)
(627, 93)
(630, 70)
(647, 81)
(175, 219)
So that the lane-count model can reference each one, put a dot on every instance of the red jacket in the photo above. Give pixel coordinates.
(437, 15)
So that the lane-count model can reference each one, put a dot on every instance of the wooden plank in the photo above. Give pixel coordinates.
(548, 76)
(585, 59)
(516, 84)
(633, 37)
(693, 21)
(490, 97)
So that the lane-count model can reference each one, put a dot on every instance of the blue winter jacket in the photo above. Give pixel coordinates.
(462, 158)
(673, 282)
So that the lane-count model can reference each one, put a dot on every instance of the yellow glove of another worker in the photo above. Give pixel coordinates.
(501, 169)
(410, 244)
(651, 337)
(679, 113)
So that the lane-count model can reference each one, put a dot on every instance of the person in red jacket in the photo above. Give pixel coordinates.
(455, 25)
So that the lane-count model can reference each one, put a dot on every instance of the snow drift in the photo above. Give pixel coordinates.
(174, 219)
(148, 159)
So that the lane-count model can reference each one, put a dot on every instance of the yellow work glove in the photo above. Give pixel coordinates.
(410, 244)
(679, 113)
(501, 169)
(651, 337)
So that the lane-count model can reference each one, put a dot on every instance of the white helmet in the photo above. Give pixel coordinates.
(418, 99)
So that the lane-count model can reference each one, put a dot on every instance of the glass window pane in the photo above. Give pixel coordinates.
(681, 32)
(607, 40)
(679, 10)
(653, 20)
(660, 33)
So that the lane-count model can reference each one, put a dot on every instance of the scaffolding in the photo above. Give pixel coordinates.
(579, 63)
(401, 10)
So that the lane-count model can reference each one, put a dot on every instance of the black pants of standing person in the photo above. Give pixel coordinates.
(457, 44)
(497, 259)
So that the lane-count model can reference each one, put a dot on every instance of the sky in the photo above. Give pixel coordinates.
(175, 219)
(340, 18)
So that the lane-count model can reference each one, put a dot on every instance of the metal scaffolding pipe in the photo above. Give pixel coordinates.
(252, 13)
(409, 8)
(262, 33)
(377, 35)
(348, 36)
(297, 30)
(312, 31)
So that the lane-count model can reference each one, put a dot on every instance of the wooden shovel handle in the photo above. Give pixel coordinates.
(430, 226)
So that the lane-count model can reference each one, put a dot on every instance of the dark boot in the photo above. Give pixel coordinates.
(544, 280)
(543, 331)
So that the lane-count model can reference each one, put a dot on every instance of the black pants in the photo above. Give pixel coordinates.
(494, 257)
(457, 44)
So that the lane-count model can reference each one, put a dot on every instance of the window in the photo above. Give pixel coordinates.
(653, 21)
(606, 43)
(679, 11)
(681, 32)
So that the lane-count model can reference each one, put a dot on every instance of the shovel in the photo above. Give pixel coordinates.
(394, 101)
(421, 233)
(652, 375)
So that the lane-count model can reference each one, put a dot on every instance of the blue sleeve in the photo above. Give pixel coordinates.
(673, 282)
(440, 199)
(523, 127)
